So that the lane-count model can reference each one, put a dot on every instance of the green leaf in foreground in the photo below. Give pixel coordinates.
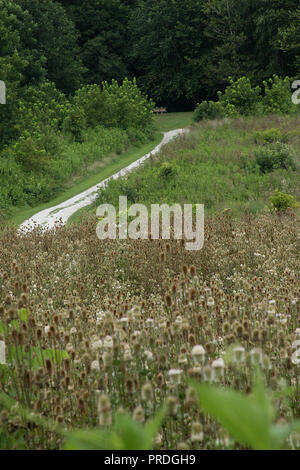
(126, 434)
(247, 420)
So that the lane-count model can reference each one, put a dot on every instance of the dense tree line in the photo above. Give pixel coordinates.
(181, 51)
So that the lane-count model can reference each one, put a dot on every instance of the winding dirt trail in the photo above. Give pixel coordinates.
(59, 214)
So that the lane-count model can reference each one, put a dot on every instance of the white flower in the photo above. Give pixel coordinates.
(218, 368)
(149, 322)
(127, 353)
(97, 344)
(238, 354)
(47, 329)
(210, 302)
(208, 374)
(175, 375)
(148, 356)
(256, 356)
(108, 342)
(296, 344)
(124, 321)
(95, 365)
(198, 354)
(296, 357)
(2, 353)
(73, 330)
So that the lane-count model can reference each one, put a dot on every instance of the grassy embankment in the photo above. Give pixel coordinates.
(163, 123)
(235, 164)
(105, 167)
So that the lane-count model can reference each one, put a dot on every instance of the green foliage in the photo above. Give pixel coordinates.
(114, 105)
(282, 201)
(126, 106)
(126, 434)
(277, 96)
(241, 98)
(57, 136)
(42, 107)
(168, 170)
(273, 157)
(209, 110)
(90, 101)
(269, 136)
(242, 95)
(249, 419)
(214, 165)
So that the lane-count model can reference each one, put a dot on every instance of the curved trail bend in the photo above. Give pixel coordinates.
(48, 218)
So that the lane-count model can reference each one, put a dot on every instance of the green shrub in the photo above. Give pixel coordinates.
(278, 97)
(273, 157)
(281, 201)
(208, 110)
(240, 94)
(269, 136)
(114, 105)
(42, 107)
(168, 170)
(126, 106)
(90, 101)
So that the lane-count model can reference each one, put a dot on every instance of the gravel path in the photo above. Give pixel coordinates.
(61, 213)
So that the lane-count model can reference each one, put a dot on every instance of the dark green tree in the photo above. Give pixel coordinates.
(54, 43)
(102, 26)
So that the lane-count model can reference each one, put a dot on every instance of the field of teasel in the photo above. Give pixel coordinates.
(179, 350)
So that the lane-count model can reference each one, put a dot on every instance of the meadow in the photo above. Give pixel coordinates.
(132, 344)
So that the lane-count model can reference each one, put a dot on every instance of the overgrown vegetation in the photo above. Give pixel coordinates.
(57, 137)
(93, 329)
(219, 164)
(240, 98)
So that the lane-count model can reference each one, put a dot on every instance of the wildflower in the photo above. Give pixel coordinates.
(2, 353)
(182, 360)
(147, 393)
(108, 342)
(138, 414)
(104, 409)
(256, 356)
(197, 432)
(73, 330)
(95, 365)
(172, 405)
(148, 356)
(210, 302)
(208, 374)
(175, 376)
(296, 344)
(198, 354)
(107, 359)
(182, 446)
(190, 396)
(124, 322)
(296, 357)
(218, 368)
(158, 440)
(266, 363)
(96, 345)
(127, 354)
(69, 347)
(150, 322)
(238, 354)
